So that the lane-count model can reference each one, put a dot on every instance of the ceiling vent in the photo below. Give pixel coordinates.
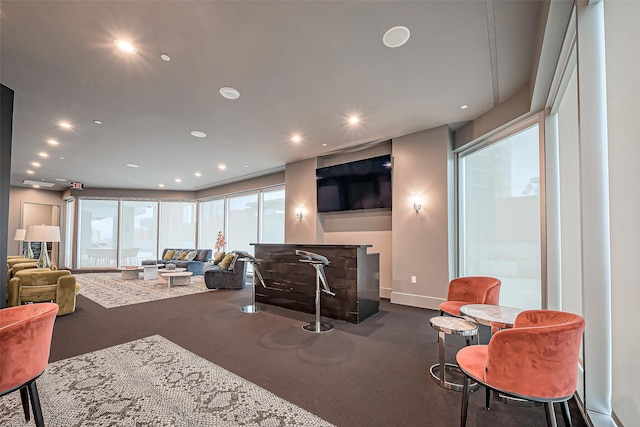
(40, 183)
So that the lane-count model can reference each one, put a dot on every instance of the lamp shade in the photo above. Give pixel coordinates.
(42, 233)
(20, 233)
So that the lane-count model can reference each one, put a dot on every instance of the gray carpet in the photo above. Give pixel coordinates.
(152, 382)
(109, 290)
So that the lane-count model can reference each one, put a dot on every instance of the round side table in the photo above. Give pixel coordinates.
(451, 326)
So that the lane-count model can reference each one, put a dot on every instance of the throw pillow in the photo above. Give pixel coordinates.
(218, 258)
(227, 261)
(191, 256)
(203, 254)
(183, 255)
(176, 255)
(169, 255)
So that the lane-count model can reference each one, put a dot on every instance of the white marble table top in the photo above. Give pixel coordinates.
(453, 325)
(491, 315)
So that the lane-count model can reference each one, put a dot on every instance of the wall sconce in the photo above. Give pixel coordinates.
(417, 204)
(299, 213)
(43, 233)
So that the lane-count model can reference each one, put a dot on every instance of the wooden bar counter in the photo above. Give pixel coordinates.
(352, 274)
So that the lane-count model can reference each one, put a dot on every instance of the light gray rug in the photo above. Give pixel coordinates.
(151, 382)
(109, 290)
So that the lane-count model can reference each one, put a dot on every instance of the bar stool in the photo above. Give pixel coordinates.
(318, 262)
(452, 326)
(253, 307)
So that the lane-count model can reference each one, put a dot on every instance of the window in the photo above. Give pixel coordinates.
(177, 226)
(138, 231)
(211, 222)
(499, 217)
(272, 216)
(242, 222)
(97, 233)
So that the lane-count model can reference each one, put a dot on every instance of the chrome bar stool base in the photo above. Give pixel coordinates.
(253, 308)
(317, 327)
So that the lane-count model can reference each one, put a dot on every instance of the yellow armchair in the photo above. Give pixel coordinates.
(37, 285)
(11, 261)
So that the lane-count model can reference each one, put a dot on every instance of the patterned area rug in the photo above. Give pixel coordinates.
(109, 290)
(151, 382)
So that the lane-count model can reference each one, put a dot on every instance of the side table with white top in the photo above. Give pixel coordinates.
(150, 272)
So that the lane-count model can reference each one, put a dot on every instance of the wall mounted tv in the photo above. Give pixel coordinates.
(364, 184)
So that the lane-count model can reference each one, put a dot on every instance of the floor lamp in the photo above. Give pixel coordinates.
(20, 233)
(44, 234)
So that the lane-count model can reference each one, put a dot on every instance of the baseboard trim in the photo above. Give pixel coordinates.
(413, 300)
(385, 293)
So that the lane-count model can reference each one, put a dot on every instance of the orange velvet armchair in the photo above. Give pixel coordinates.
(25, 341)
(536, 360)
(470, 290)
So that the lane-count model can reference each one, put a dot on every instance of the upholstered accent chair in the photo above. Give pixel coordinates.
(470, 290)
(36, 285)
(536, 360)
(24, 266)
(25, 342)
(11, 261)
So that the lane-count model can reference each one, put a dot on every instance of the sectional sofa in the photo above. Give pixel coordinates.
(195, 265)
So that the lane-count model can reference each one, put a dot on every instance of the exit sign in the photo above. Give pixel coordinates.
(77, 186)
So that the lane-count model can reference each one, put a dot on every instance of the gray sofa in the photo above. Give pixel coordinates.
(215, 278)
(196, 266)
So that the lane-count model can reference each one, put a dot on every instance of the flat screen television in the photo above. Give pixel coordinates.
(364, 184)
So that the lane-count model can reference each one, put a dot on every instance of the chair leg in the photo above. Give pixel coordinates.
(566, 414)
(35, 404)
(24, 396)
(487, 398)
(465, 401)
(551, 414)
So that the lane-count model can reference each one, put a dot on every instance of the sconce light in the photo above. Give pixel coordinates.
(299, 213)
(417, 204)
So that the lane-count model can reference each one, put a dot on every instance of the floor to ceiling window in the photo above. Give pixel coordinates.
(272, 216)
(138, 231)
(97, 233)
(177, 225)
(499, 216)
(211, 220)
(242, 221)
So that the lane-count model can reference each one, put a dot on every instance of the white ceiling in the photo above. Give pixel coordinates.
(300, 66)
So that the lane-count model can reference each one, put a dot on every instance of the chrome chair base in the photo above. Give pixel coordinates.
(442, 381)
(317, 327)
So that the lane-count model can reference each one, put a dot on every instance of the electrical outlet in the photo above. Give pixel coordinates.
(413, 279)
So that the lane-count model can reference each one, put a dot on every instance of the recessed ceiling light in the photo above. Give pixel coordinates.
(161, 185)
(43, 154)
(98, 122)
(229, 92)
(296, 138)
(35, 164)
(132, 165)
(197, 174)
(396, 36)
(65, 125)
(52, 142)
(221, 167)
(464, 107)
(246, 166)
(198, 133)
(354, 120)
(165, 57)
(178, 180)
(30, 172)
(324, 145)
(61, 180)
(35, 186)
(61, 158)
(125, 46)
